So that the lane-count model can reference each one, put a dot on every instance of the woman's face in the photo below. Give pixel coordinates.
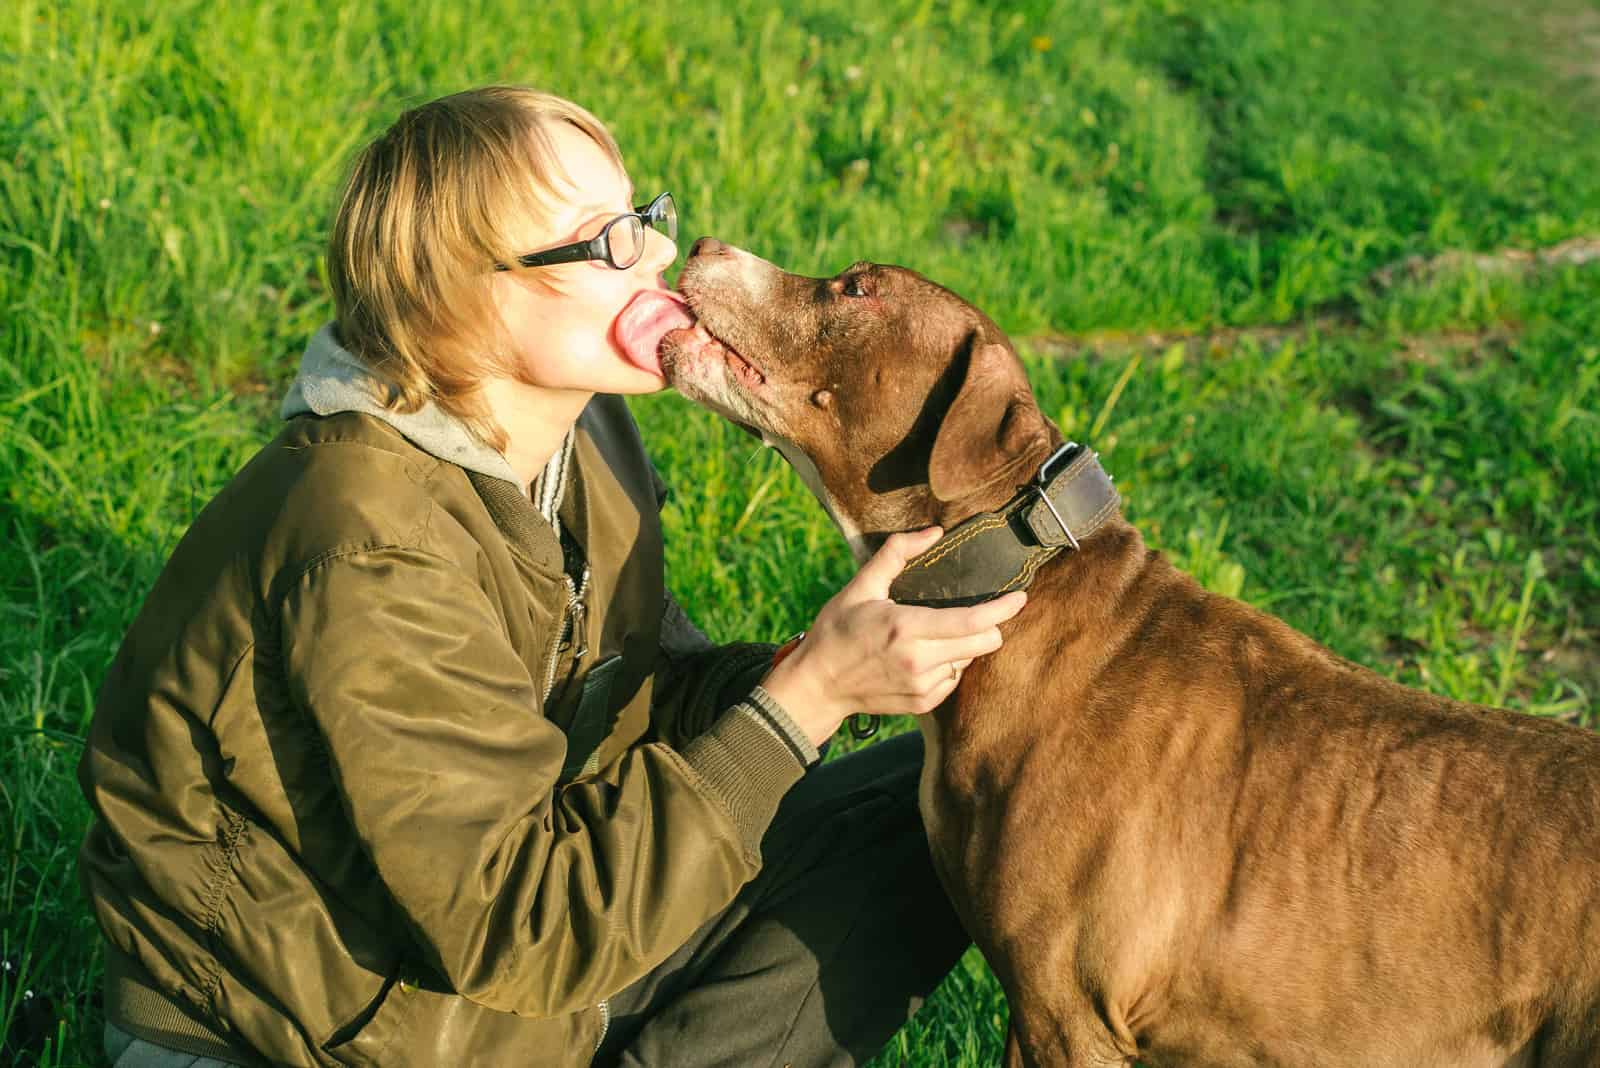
(578, 337)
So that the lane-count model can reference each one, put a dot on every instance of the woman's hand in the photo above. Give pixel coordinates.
(867, 654)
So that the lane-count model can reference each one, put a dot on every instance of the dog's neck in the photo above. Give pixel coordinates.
(1082, 608)
(990, 551)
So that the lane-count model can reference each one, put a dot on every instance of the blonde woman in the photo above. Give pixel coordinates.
(408, 758)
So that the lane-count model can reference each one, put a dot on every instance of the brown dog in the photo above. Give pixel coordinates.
(1179, 830)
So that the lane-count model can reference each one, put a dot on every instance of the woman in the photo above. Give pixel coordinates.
(409, 759)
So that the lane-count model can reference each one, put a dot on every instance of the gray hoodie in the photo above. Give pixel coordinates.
(332, 379)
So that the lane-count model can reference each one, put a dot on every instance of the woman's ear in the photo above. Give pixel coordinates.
(992, 424)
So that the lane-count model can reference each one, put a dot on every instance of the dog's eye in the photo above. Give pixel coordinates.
(856, 286)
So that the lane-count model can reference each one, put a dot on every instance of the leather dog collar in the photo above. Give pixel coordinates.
(996, 552)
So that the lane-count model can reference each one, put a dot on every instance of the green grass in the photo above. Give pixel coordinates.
(1405, 473)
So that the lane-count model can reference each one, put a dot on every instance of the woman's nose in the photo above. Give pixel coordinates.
(659, 249)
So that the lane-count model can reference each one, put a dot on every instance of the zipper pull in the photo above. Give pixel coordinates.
(580, 629)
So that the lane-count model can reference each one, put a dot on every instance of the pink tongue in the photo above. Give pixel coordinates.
(645, 321)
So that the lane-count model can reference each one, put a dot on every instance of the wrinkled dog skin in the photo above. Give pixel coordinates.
(1178, 829)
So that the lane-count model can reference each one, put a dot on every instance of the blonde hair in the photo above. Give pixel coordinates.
(425, 213)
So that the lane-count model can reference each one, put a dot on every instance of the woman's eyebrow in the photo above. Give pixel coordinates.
(588, 214)
(604, 207)
(585, 214)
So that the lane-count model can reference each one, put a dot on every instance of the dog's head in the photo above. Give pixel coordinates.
(898, 403)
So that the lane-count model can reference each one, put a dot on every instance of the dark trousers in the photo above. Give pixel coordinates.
(826, 953)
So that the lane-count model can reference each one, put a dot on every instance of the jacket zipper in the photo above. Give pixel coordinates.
(579, 608)
(550, 668)
(605, 1023)
(580, 637)
(575, 629)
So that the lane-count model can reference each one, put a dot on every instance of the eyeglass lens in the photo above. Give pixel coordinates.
(626, 236)
(665, 217)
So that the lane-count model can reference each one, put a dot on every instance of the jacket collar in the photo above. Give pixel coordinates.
(332, 379)
(996, 552)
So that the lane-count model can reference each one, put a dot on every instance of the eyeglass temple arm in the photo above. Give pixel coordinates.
(594, 248)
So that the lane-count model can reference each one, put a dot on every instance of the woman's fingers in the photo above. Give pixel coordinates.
(939, 678)
(931, 688)
(872, 582)
(919, 641)
(941, 652)
(897, 659)
(960, 622)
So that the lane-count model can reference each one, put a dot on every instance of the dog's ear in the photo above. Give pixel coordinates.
(990, 427)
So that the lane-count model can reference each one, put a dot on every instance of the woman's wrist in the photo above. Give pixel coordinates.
(793, 682)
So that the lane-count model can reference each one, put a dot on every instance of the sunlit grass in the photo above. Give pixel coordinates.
(1405, 473)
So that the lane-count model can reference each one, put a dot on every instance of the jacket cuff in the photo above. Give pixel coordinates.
(749, 764)
(780, 721)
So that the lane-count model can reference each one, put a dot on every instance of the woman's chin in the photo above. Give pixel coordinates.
(633, 378)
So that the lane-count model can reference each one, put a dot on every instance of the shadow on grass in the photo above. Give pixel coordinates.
(68, 592)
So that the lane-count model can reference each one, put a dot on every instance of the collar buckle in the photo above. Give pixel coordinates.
(1042, 480)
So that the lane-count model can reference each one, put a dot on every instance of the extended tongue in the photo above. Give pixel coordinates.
(648, 318)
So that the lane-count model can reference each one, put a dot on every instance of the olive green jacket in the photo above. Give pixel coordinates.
(375, 781)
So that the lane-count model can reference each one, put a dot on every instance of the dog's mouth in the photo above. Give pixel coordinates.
(698, 345)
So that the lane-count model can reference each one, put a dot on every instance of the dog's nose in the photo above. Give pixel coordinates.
(708, 246)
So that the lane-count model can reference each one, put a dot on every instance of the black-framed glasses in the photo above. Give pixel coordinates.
(619, 243)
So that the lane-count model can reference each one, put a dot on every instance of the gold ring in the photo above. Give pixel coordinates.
(955, 673)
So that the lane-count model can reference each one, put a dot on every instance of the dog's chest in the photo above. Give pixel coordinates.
(950, 818)
(932, 752)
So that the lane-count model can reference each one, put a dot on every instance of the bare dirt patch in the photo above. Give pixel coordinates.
(1576, 253)
(1577, 33)
(1579, 251)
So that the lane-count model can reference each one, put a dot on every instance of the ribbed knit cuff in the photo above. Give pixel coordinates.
(749, 765)
(784, 724)
(133, 1004)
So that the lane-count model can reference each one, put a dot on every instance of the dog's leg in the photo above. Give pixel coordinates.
(1062, 1047)
(1014, 1057)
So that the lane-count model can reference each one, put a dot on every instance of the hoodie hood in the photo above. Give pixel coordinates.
(333, 380)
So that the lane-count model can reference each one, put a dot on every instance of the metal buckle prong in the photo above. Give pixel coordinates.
(1042, 479)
